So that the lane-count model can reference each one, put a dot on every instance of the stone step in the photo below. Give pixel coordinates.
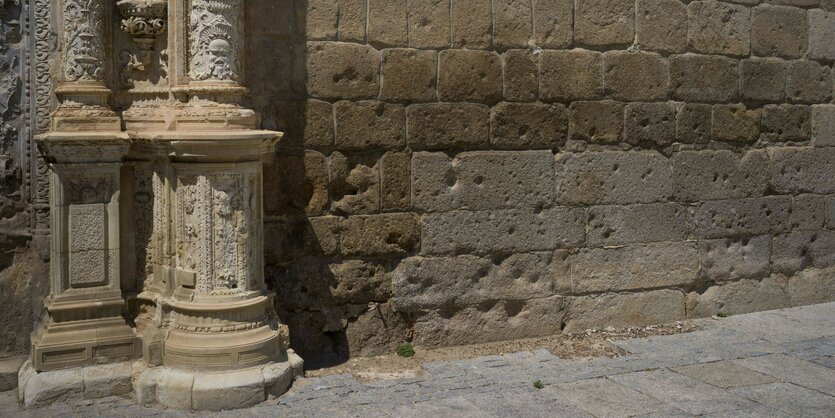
(9, 367)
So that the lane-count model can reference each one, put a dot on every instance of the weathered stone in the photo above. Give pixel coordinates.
(352, 20)
(786, 123)
(830, 212)
(408, 75)
(376, 331)
(703, 78)
(613, 178)
(654, 222)
(571, 75)
(470, 76)
(521, 75)
(41, 389)
(778, 31)
(215, 391)
(719, 28)
(308, 123)
(821, 33)
(369, 124)
(808, 82)
(553, 23)
(359, 282)
(798, 251)
(604, 23)
(482, 180)
(624, 309)
(762, 80)
(429, 24)
(633, 267)
(507, 319)
(812, 286)
(661, 25)
(296, 183)
(728, 260)
(742, 217)
(512, 23)
(342, 71)
(736, 123)
(740, 297)
(502, 231)
(387, 23)
(650, 123)
(287, 239)
(321, 19)
(431, 283)
(693, 123)
(472, 23)
(797, 3)
(377, 235)
(808, 212)
(636, 76)
(597, 122)
(107, 380)
(823, 125)
(446, 125)
(714, 175)
(528, 125)
(354, 184)
(395, 183)
(798, 170)
(9, 368)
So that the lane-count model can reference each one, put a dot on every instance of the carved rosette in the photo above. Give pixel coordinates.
(215, 40)
(83, 40)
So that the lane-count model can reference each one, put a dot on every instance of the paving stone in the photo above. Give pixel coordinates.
(605, 398)
(523, 403)
(791, 399)
(724, 374)
(682, 392)
(793, 370)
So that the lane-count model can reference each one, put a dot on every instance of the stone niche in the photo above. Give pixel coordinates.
(157, 271)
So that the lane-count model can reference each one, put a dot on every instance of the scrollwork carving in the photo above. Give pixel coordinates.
(83, 40)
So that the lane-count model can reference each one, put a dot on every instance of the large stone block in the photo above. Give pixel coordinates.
(467, 75)
(635, 76)
(472, 23)
(309, 123)
(369, 124)
(593, 178)
(714, 175)
(448, 125)
(379, 235)
(812, 286)
(387, 24)
(596, 122)
(354, 183)
(808, 82)
(654, 222)
(395, 181)
(502, 231)
(736, 123)
(808, 212)
(482, 180)
(510, 319)
(734, 259)
(823, 125)
(571, 75)
(634, 267)
(800, 250)
(739, 297)
(528, 125)
(375, 331)
(650, 123)
(830, 211)
(786, 123)
(408, 75)
(429, 24)
(9, 368)
(429, 283)
(694, 123)
(352, 20)
(821, 33)
(342, 71)
(512, 23)
(702, 78)
(742, 217)
(604, 23)
(624, 309)
(289, 239)
(553, 22)
(778, 31)
(359, 282)
(321, 20)
(719, 28)
(521, 75)
(799, 170)
(661, 25)
(762, 80)
(296, 183)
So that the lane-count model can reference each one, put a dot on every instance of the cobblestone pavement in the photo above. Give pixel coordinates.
(771, 364)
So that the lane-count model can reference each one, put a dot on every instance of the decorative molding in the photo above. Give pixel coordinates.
(215, 39)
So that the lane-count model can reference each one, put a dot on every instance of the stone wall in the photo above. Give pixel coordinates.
(460, 171)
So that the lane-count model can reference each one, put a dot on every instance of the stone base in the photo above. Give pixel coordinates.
(9, 367)
(215, 391)
(44, 388)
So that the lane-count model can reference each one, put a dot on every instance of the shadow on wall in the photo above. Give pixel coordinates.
(335, 308)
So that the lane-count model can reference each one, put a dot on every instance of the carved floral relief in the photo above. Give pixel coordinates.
(83, 40)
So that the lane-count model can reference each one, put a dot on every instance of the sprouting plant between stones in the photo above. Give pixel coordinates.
(405, 350)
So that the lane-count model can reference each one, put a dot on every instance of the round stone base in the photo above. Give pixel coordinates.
(215, 391)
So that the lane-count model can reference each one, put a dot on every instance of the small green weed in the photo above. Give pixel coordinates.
(405, 350)
(538, 384)
(723, 314)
